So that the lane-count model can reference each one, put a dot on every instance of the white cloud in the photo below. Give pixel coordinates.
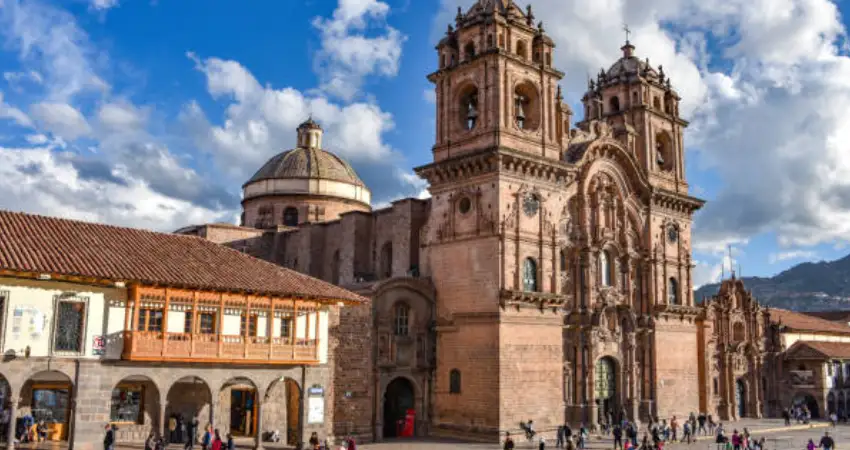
(51, 42)
(102, 5)
(430, 96)
(261, 121)
(348, 54)
(418, 184)
(14, 114)
(17, 79)
(61, 119)
(705, 272)
(791, 255)
(767, 108)
(122, 116)
(37, 180)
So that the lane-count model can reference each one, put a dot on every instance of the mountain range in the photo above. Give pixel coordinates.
(810, 286)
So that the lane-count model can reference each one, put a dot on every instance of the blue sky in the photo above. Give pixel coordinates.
(152, 113)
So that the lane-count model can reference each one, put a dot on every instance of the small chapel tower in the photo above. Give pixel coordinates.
(640, 104)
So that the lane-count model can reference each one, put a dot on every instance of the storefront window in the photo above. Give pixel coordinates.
(50, 404)
(126, 404)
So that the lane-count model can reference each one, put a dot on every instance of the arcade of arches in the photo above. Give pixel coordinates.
(139, 400)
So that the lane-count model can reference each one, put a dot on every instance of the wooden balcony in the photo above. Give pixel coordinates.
(211, 348)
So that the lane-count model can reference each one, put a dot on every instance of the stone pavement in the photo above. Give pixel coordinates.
(777, 436)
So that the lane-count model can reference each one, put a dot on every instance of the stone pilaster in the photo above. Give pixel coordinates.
(13, 412)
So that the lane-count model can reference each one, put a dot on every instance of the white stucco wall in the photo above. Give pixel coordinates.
(788, 339)
(34, 302)
(29, 315)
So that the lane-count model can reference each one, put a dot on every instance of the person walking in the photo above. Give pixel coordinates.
(208, 436)
(674, 429)
(736, 440)
(559, 438)
(826, 442)
(686, 432)
(701, 424)
(230, 444)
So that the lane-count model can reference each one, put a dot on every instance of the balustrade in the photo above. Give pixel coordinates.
(146, 345)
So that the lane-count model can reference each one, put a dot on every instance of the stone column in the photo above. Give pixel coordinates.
(163, 422)
(13, 412)
(213, 410)
(258, 439)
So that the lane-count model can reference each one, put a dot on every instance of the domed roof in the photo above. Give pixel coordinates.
(631, 65)
(307, 163)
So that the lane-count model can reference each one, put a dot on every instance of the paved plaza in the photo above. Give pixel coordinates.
(777, 436)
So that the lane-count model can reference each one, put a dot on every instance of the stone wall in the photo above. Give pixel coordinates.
(676, 368)
(353, 375)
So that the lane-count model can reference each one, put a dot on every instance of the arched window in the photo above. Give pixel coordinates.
(614, 104)
(454, 381)
(264, 217)
(402, 319)
(442, 61)
(502, 41)
(335, 268)
(489, 41)
(469, 51)
(656, 103)
(634, 98)
(529, 275)
(290, 217)
(387, 260)
(548, 59)
(521, 50)
(673, 291)
(563, 260)
(714, 386)
(663, 151)
(605, 268)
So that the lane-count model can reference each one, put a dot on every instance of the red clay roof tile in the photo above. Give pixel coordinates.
(803, 322)
(34, 243)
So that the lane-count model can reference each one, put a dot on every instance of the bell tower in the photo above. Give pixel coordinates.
(642, 108)
(496, 85)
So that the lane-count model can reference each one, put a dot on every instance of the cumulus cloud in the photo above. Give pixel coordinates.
(61, 119)
(766, 104)
(260, 121)
(349, 54)
(14, 114)
(38, 180)
(50, 41)
(102, 5)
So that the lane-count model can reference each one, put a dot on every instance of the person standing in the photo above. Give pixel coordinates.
(542, 443)
(216, 443)
(191, 431)
(509, 443)
(207, 441)
(686, 432)
(109, 438)
(674, 428)
(559, 437)
(618, 436)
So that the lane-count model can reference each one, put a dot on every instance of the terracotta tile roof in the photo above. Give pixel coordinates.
(835, 316)
(33, 243)
(818, 350)
(796, 321)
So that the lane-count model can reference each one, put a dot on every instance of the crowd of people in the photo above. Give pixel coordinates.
(624, 434)
(211, 439)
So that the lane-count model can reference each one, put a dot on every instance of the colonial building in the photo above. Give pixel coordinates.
(101, 324)
(548, 277)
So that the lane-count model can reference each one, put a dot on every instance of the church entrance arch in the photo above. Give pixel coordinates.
(741, 397)
(809, 402)
(606, 388)
(398, 399)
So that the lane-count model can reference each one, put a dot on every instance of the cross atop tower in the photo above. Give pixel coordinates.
(628, 32)
(628, 48)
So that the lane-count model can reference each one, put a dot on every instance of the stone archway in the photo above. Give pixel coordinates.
(189, 398)
(282, 410)
(399, 397)
(48, 396)
(809, 401)
(238, 398)
(135, 407)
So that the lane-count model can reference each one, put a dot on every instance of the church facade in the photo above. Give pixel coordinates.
(548, 277)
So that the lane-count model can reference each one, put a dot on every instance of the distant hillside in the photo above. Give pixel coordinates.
(804, 287)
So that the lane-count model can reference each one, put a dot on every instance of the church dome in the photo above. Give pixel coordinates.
(308, 170)
(307, 163)
(630, 65)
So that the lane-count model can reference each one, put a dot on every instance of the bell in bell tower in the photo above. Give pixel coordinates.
(496, 86)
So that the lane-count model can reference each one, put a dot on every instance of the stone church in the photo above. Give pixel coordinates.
(548, 277)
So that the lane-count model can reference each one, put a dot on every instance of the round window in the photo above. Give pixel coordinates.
(465, 205)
